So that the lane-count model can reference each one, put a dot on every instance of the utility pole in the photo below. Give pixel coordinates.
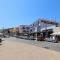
(36, 32)
(3, 31)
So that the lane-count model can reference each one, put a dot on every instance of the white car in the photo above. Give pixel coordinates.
(51, 39)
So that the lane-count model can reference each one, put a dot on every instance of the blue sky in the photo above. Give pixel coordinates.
(16, 12)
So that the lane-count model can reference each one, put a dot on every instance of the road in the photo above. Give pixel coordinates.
(12, 50)
(44, 44)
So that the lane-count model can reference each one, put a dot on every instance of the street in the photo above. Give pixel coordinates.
(18, 49)
(44, 44)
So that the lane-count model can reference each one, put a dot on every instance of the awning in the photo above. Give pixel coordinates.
(55, 33)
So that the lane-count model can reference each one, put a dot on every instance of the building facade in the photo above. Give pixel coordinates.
(42, 27)
(23, 29)
(38, 30)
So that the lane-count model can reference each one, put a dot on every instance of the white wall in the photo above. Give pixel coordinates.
(56, 29)
(49, 27)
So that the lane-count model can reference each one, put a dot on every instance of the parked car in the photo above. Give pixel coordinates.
(51, 39)
(31, 38)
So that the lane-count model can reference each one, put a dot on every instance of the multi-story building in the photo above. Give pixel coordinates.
(42, 27)
(23, 29)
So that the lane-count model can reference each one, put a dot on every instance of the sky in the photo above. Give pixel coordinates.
(17, 12)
